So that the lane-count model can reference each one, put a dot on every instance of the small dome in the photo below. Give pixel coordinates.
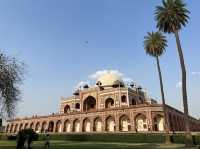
(109, 79)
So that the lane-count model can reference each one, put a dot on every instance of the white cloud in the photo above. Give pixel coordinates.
(196, 73)
(98, 73)
(179, 84)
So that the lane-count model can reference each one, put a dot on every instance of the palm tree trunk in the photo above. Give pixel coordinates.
(184, 83)
(166, 126)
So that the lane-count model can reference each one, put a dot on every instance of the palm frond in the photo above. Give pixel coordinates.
(171, 16)
(155, 43)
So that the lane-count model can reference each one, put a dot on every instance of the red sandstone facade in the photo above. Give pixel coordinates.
(110, 106)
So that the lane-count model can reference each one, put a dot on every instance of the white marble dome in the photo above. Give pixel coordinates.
(109, 79)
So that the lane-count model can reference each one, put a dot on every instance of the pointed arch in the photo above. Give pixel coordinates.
(51, 126)
(58, 126)
(124, 123)
(109, 103)
(44, 127)
(158, 123)
(20, 126)
(97, 124)
(11, 128)
(89, 104)
(67, 126)
(32, 126)
(76, 125)
(26, 126)
(86, 125)
(16, 128)
(110, 124)
(7, 128)
(66, 109)
(141, 122)
(37, 127)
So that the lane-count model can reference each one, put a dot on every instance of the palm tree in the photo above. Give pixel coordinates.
(154, 45)
(171, 17)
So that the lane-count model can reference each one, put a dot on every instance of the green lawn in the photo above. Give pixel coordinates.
(94, 145)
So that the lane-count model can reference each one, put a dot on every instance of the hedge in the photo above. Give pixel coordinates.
(196, 139)
(117, 137)
(123, 137)
(181, 139)
(110, 137)
(3, 136)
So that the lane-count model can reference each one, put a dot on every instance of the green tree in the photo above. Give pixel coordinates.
(11, 76)
(154, 45)
(171, 17)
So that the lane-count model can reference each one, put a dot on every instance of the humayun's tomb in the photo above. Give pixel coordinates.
(108, 106)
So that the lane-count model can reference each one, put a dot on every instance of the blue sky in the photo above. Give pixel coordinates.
(63, 42)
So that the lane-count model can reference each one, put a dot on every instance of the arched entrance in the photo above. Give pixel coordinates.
(110, 124)
(7, 128)
(44, 127)
(26, 126)
(158, 123)
(141, 122)
(37, 127)
(67, 126)
(11, 128)
(67, 109)
(89, 104)
(86, 125)
(98, 125)
(76, 126)
(59, 126)
(124, 123)
(16, 127)
(32, 125)
(20, 127)
(109, 103)
(51, 126)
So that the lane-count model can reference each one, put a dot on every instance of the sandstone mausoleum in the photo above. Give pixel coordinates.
(107, 106)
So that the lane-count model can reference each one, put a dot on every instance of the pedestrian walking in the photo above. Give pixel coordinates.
(47, 142)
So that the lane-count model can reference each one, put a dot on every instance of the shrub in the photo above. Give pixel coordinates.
(181, 139)
(3, 136)
(12, 137)
(109, 137)
(196, 139)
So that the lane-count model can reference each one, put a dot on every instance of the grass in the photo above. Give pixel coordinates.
(94, 145)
